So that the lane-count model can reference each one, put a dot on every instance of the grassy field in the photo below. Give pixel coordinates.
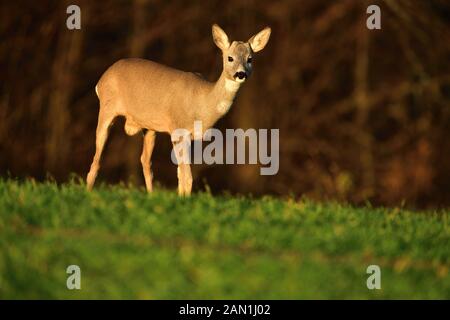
(129, 244)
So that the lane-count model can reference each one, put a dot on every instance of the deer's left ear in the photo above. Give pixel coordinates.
(220, 37)
(259, 40)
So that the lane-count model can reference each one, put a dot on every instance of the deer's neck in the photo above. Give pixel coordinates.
(217, 101)
(222, 95)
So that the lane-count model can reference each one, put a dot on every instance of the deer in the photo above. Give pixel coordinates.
(156, 98)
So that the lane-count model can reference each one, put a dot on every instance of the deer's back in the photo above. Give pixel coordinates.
(154, 96)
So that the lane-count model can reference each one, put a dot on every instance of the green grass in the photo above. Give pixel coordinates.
(129, 244)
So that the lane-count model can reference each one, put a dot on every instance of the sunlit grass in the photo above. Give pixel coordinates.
(129, 244)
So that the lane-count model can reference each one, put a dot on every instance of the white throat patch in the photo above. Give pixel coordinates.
(231, 86)
(224, 106)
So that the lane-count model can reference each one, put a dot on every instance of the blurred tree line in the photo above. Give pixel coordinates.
(363, 115)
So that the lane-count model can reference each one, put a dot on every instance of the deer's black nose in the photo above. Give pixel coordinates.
(241, 75)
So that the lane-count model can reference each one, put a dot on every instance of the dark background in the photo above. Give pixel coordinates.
(363, 115)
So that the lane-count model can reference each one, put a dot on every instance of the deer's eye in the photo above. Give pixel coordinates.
(230, 59)
(249, 60)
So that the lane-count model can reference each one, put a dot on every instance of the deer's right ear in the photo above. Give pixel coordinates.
(259, 40)
(220, 37)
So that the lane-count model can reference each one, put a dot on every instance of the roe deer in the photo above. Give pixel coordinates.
(156, 98)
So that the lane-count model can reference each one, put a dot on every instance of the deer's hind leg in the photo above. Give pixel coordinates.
(105, 120)
(147, 149)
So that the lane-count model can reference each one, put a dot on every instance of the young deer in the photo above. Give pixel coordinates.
(156, 98)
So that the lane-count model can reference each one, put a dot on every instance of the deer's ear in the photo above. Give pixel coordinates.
(259, 40)
(220, 37)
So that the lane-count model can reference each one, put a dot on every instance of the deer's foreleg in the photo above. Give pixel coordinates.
(184, 174)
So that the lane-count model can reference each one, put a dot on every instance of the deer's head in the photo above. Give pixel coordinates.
(238, 55)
